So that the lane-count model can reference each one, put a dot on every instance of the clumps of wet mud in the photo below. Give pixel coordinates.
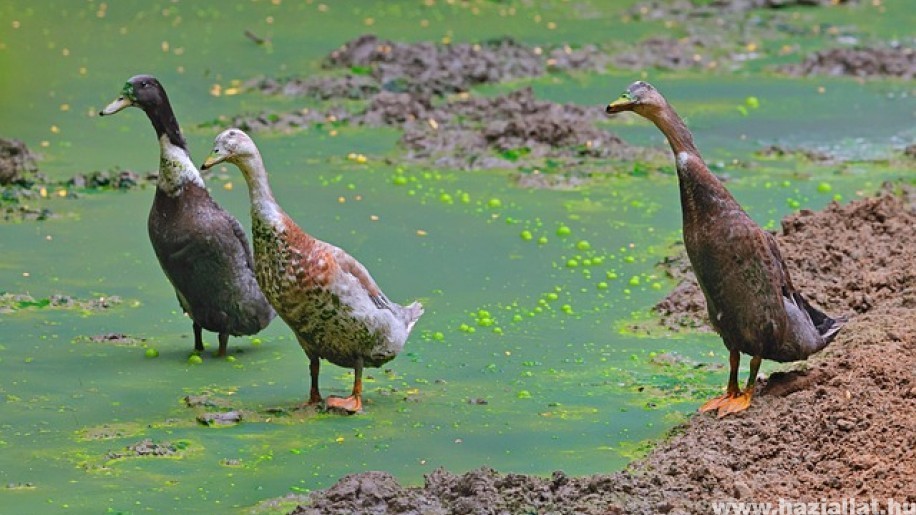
(18, 165)
(11, 302)
(664, 10)
(845, 259)
(147, 448)
(116, 339)
(500, 132)
(839, 426)
(892, 61)
(779, 151)
(429, 69)
(111, 180)
(671, 53)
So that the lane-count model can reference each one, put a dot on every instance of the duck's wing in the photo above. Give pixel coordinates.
(350, 266)
(243, 239)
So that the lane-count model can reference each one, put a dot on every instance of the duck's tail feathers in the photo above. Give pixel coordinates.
(826, 326)
(411, 314)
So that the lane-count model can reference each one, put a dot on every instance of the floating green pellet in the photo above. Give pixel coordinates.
(563, 231)
(611, 275)
(517, 318)
(752, 102)
(602, 285)
(194, 359)
(542, 240)
(583, 245)
(526, 235)
(151, 353)
(634, 281)
(495, 203)
(498, 330)
(438, 336)
(824, 187)
(230, 358)
(399, 180)
(523, 394)
(566, 308)
(552, 296)
(571, 263)
(485, 322)
(446, 198)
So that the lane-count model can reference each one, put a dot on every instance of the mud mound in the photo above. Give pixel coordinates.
(662, 9)
(323, 88)
(858, 62)
(828, 261)
(507, 131)
(429, 69)
(842, 427)
(667, 53)
(16, 162)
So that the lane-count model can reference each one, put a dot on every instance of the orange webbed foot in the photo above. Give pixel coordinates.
(350, 405)
(736, 404)
(716, 402)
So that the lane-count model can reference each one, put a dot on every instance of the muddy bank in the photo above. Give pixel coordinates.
(892, 61)
(836, 426)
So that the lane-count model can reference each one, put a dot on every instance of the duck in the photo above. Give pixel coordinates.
(201, 248)
(750, 299)
(330, 301)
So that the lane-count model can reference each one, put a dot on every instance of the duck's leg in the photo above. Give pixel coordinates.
(198, 338)
(354, 402)
(223, 344)
(314, 368)
(741, 402)
(734, 359)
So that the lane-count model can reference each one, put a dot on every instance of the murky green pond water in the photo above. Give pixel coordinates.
(508, 320)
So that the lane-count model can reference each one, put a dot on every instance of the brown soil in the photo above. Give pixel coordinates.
(17, 162)
(838, 426)
(858, 62)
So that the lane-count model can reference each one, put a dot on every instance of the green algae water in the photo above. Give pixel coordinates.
(531, 356)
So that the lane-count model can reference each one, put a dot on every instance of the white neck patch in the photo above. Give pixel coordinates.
(175, 168)
(683, 158)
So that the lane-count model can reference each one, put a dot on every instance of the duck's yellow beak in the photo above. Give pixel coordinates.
(624, 103)
(213, 159)
(122, 102)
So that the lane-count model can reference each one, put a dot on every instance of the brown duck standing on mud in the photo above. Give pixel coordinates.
(202, 249)
(327, 297)
(750, 298)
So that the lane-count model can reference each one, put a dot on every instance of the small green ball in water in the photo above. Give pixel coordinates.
(230, 358)
(438, 336)
(752, 102)
(634, 281)
(399, 180)
(572, 263)
(583, 245)
(151, 353)
(542, 240)
(563, 231)
(495, 203)
(446, 198)
(602, 285)
(824, 187)
(526, 235)
(524, 394)
(194, 359)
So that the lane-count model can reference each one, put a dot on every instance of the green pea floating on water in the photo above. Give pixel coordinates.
(194, 359)
(151, 353)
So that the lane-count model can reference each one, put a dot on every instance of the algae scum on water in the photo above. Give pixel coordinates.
(528, 223)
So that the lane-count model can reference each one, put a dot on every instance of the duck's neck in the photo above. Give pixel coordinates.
(264, 208)
(701, 191)
(175, 166)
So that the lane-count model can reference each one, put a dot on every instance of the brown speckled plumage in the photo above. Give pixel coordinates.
(751, 301)
(327, 297)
